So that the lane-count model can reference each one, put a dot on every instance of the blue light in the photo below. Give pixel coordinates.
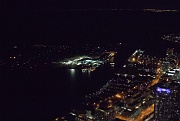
(163, 90)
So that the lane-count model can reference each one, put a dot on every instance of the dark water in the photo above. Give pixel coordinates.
(49, 93)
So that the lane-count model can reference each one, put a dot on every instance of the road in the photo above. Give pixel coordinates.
(155, 81)
(122, 117)
(144, 113)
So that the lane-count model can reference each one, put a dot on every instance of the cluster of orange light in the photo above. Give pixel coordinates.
(118, 96)
(122, 118)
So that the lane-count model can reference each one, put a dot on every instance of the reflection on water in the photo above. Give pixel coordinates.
(75, 74)
(72, 72)
(86, 72)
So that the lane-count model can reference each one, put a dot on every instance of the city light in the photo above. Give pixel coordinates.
(56, 119)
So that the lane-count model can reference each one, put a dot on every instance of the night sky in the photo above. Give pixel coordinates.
(70, 21)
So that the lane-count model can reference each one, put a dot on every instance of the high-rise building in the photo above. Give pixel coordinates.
(167, 102)
(172, 58)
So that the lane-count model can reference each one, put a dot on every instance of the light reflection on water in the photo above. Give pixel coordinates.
(75, 74)
(72, 72)
(86, 73)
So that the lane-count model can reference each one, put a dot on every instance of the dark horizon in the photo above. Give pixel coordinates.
(48, 5)
(61, 22)
(87, 26)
